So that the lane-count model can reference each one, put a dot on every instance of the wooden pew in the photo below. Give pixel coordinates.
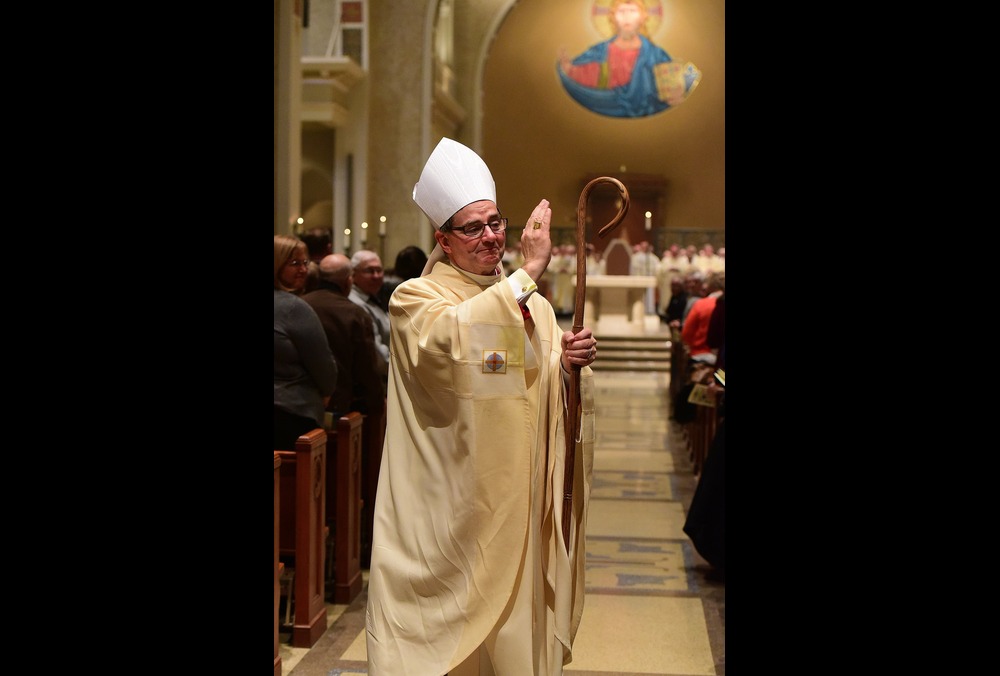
(302, 532)
(343, 506)
(700, 435)
(374, 436)
(700, 431)
(678, 362)
(277, 583)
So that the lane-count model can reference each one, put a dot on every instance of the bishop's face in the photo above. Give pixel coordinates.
(479, 255)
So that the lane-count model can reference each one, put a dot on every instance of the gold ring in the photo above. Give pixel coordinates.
(538, 224)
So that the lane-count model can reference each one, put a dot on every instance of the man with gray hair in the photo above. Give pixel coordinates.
(368, 279)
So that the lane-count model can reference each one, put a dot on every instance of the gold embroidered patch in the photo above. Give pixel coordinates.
(494, 361)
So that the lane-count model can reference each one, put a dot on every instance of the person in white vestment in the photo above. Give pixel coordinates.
(644, 262)
(673, 265)
(471, 573)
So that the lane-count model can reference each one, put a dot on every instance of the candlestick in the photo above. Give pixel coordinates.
(347, 238)
(649, 221)
(381, 226)
(364, 233)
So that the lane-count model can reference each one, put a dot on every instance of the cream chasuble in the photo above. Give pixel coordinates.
(468, 558)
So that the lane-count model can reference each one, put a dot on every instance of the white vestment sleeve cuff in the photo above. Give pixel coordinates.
(523, 285)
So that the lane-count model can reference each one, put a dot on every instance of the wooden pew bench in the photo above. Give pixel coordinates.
(278, 567)
(700, 431)
(700, 435)
(302, 532)
(344, 452)
(320, 488)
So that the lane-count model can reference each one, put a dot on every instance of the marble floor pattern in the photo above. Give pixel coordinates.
(653, 605)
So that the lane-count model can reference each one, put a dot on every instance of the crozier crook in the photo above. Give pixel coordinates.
(573, 419)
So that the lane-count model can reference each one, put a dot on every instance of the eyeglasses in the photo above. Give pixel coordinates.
(298, 264)
(477, 230)
(370, 271)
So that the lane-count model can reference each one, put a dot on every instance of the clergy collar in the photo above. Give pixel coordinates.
(481, 280)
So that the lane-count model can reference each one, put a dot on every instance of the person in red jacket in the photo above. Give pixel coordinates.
(695, 330)
(717, 331)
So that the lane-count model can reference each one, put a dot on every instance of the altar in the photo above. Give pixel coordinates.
(615, 305)
(615, 302)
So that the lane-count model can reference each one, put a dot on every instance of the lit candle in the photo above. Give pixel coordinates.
(347, 238)
(381, 226)
(649, 220)
(364, 233)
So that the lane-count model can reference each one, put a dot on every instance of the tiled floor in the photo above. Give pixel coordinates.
(653, 605)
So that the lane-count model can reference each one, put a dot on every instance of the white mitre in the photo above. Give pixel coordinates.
(453, 177)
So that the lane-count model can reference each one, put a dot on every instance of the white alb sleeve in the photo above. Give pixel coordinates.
(522, 284)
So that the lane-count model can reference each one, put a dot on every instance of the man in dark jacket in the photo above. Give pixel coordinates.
(678, 301)
(351, 336)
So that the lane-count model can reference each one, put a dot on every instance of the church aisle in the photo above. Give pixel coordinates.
(653, 605)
